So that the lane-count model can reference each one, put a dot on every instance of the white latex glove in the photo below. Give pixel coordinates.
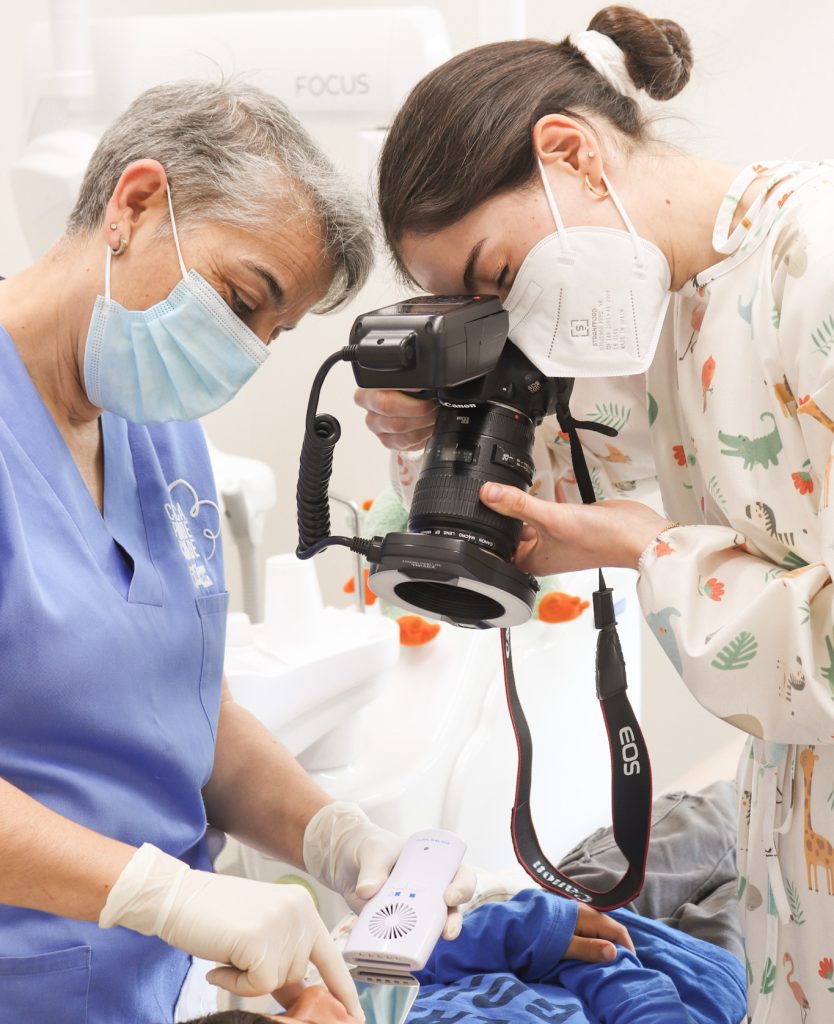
(345, 851)
(265, 935)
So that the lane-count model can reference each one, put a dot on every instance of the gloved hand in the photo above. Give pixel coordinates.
(265, 935)
(345, 851)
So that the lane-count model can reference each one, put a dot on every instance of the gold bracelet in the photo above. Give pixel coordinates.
(671, 526)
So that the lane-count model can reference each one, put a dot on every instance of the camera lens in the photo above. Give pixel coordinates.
(459, 605)
(470, 447)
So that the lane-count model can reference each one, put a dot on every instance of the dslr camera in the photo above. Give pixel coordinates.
(455, 562)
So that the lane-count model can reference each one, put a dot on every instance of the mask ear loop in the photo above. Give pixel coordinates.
(635, 238)
(108, 260)
(561, 233)
(176, 236)
(560, 225)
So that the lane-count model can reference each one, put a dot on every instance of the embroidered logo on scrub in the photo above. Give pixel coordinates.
(181, 526)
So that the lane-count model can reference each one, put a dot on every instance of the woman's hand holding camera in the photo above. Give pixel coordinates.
(562, 538)
(402, 423)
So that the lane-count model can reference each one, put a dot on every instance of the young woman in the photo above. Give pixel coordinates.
(528, 169)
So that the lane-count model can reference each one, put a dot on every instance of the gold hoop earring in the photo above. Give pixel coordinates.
(595, 191)
(122, 247)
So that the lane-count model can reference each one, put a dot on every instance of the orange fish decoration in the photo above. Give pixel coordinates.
(350, 588)
(416, 631)
(707, 373)
(558, 607)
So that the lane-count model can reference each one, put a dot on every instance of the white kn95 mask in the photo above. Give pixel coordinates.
(589, 301)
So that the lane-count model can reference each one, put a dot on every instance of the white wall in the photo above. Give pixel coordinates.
(761, 88)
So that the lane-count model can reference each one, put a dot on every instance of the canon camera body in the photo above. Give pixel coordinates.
(455, 561)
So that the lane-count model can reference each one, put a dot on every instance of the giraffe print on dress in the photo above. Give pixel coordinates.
(818, 850)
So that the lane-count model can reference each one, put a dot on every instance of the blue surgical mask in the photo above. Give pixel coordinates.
(178, 360)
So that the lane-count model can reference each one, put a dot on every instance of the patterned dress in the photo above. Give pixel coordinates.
(735, 421)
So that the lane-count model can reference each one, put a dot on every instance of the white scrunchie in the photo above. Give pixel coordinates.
(607, 58)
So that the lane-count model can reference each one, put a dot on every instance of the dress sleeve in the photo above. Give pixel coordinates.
(754, 639)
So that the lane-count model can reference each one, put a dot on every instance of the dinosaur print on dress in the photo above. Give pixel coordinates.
(761, 659)
(754, 450)
(660, 624)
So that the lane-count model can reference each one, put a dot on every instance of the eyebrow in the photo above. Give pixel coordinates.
(469, 269)
(276, 292)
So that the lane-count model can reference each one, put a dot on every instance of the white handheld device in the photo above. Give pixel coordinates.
(398, 929)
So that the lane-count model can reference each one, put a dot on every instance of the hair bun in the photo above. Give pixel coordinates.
(658, 54)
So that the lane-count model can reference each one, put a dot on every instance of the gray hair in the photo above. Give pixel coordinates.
(229, 149)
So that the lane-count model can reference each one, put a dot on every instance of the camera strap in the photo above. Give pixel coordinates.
(631, 783)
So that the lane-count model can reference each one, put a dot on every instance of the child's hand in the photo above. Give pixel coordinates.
(595, 936)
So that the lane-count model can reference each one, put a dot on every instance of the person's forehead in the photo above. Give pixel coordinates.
(290, 251)
(486, 220)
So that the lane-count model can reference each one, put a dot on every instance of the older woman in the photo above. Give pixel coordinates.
(207, 223)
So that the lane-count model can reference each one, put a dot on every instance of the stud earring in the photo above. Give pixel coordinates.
(591, 154)
(114, 226)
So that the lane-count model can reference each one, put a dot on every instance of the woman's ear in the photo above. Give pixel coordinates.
(562, 142)
(140, 194)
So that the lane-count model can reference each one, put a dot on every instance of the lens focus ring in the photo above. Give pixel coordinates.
(467, 450)
(454, 502)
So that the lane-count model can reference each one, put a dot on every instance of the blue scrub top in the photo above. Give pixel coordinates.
(112, 635)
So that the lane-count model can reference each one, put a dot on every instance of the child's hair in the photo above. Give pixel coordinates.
(233, 1017)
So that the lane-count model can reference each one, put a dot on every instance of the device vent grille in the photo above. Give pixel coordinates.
(392, 921)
